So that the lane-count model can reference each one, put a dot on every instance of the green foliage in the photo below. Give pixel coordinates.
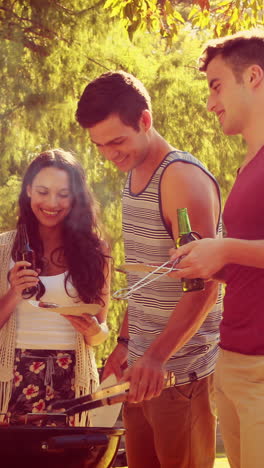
(41, 84)
(9, 195)
(166, 17)
(228, 16)
(179, 94)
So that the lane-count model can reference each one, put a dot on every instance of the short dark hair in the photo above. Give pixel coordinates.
(240, 50)
(115, 92)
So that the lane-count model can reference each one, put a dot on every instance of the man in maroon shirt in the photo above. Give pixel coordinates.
(234, 66)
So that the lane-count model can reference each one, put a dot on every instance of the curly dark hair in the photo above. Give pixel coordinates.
(82, 246)
(115, 92)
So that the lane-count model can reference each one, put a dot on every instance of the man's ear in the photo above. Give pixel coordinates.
(145, 121)
(255, 75)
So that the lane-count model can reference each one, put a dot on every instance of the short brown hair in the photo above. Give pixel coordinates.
(240, 50)
(115, 92)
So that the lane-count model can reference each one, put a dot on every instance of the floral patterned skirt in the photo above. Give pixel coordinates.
(41, 377)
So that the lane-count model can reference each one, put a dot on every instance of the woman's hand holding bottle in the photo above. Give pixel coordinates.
(22, 277)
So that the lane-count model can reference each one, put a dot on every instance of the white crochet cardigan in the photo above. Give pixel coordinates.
(86, 375)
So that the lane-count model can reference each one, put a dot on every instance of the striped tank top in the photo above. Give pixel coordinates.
(148, 240)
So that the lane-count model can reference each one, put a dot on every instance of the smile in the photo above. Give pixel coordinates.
(50, 213)
(120, 160)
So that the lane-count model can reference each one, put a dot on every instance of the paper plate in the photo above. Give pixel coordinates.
(106, 416)
(91, 309)
(142, 267)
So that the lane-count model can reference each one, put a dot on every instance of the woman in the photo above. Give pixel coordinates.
(52, 353)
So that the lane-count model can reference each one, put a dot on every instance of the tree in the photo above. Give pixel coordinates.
(36, 24)
(40, 87)
(167, 17)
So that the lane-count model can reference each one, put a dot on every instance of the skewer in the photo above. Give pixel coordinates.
(125, 293)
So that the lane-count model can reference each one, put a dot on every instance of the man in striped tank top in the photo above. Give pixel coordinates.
(164, 330)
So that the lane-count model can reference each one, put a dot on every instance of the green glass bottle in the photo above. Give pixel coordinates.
(186, 235)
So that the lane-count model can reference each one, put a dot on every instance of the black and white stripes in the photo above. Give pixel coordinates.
(148, 240)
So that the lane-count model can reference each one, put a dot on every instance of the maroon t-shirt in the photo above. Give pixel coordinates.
(242, 327)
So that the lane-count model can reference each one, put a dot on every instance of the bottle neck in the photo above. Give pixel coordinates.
(183, 221)
(23, 240)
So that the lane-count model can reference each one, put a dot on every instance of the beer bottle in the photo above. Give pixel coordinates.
(25, 252)
(186, 235)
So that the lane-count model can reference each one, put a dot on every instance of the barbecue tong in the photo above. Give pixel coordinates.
(107, 396)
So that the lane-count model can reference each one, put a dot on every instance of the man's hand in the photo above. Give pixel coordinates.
(146, 378)
(201, 259)
(116, 362)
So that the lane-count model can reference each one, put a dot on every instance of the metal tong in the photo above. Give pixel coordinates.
(107, 396)
(125, 293)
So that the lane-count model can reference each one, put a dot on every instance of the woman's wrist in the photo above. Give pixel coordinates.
(100, 337)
